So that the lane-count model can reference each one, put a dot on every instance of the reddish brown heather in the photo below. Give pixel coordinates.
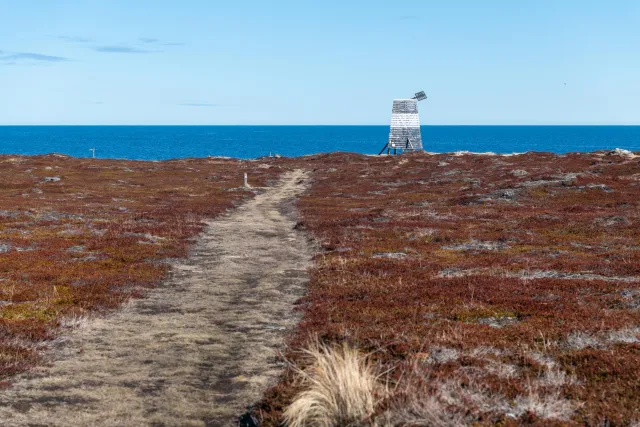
(499, 289)
(505, 287)
(83, 235)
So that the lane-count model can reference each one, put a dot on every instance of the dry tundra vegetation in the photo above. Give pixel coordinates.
(485, 290)
(81, 236)
(447, 289)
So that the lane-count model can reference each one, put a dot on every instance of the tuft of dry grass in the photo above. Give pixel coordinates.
(341, 389)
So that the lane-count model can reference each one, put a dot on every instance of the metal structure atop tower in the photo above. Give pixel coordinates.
(405, 125)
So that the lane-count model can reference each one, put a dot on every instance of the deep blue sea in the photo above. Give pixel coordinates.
(166, 142)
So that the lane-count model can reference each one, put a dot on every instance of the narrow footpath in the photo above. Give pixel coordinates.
(199, 349)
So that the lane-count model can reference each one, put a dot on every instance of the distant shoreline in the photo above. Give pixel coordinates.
(617, 151)
(320, 125)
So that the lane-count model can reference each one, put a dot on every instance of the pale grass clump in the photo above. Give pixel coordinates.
(423, 401)
(341, 389)
(550, 406)
(453, 404)
(413, 406)
(627, 335)
(420, 411)
(74, 321)
(581, 340)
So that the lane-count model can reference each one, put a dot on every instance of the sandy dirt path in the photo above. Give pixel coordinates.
(199, 349)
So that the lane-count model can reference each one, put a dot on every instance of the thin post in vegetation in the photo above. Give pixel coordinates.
(246, 184)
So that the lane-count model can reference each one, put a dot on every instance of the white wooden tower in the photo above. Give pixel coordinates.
(404, 133)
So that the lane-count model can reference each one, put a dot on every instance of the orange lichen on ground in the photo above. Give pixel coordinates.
(83, 235)
(492, 289)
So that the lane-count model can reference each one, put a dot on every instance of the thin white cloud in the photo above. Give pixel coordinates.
(75, 39)
(120, 49)
(151, 40)
(199, 104)
(28, 56)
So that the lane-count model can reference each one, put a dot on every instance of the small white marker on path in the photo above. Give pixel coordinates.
(246, 185)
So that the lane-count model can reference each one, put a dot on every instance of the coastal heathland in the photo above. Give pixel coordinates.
(459, 288)
(82, 236)
(487, 289)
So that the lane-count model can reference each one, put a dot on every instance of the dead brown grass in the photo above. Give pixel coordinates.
(340, 389)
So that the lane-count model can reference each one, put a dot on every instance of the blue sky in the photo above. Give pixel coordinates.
(329, 62)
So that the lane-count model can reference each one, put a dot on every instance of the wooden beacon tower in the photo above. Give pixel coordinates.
(404, 133)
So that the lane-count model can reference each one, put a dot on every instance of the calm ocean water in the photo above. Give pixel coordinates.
(166, 142)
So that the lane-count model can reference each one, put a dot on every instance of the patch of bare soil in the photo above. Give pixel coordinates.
(199, 349)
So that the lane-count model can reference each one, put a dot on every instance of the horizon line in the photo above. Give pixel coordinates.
(310, 125)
